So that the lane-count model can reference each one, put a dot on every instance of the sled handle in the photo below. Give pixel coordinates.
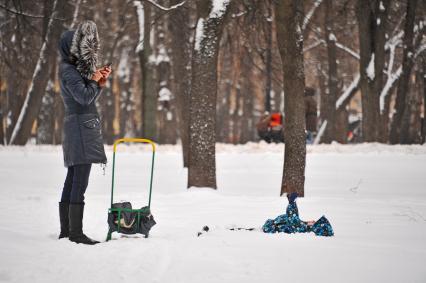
(133, 140)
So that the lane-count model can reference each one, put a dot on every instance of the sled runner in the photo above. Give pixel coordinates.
(122, 218)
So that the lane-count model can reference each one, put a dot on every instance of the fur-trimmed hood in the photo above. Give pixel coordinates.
(81, 47)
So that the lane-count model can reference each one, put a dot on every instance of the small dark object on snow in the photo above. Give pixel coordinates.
(241, 228)
(199, 234)
(206, 228)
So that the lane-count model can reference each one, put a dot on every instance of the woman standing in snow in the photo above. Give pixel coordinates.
(82, 144)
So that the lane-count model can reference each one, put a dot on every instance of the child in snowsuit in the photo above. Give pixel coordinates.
(291, 223)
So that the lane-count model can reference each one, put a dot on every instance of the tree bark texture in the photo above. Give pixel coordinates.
(331, 95)
(290, 44)
(396, 136)
(202, 120)
(149, 93)
(372, 19)
(181, 35)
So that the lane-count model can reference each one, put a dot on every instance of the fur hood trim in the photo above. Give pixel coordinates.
(84, 48)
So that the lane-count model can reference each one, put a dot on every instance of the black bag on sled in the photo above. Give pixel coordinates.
(123, 219)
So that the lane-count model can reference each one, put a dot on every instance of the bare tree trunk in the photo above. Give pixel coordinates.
(2, 109)
(46, 116)
(202, 120)
(372, 19)
(167, 127)
(424, 98)
(331, 95)
(149, 94)
(124, 85)
(181, 36)
(32, 103)
(290, 44)
(341, 126)
(411, 121)
(396, 136)
(268, 67)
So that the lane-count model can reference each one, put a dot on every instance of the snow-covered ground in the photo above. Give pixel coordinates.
(374, 196)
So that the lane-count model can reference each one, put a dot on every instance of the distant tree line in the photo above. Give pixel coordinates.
(202, 72)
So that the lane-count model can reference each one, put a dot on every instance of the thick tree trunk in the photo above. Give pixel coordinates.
(407, 63)
(181, 35)
(372, 19)
(202, 120)
(32, 103)
(410, 132)
(331, 95)
(290, 43)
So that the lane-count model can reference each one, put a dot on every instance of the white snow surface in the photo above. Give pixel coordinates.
(141, 24)
(374, 195)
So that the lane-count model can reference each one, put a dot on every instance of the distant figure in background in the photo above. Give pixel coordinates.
(270, 127)
(277, 128)
(263, 127)
(311, 114)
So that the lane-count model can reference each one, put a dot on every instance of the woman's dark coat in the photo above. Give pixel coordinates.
(82, 141)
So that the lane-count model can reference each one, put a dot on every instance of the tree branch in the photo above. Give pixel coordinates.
(19, 13)
(155, 4)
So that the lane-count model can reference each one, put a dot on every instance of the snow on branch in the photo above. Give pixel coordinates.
(370, 71)
(338, 44)
(313, 45)
(348, 50)
(348, 91)
(394, 76)
(309, 15)
(152, 2)
(218, 8)
(392, 79)
(199, 33)
(20, 13)
(141, 22)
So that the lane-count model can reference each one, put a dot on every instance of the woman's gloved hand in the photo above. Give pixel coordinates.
(105, 71)
(97, 76)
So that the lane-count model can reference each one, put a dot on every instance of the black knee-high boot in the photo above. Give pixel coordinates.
(63, 218)
(76, 211)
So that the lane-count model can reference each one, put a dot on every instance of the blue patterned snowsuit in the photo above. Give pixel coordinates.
(291, 223)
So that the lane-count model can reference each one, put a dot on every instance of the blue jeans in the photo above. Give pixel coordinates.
(76, 183)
